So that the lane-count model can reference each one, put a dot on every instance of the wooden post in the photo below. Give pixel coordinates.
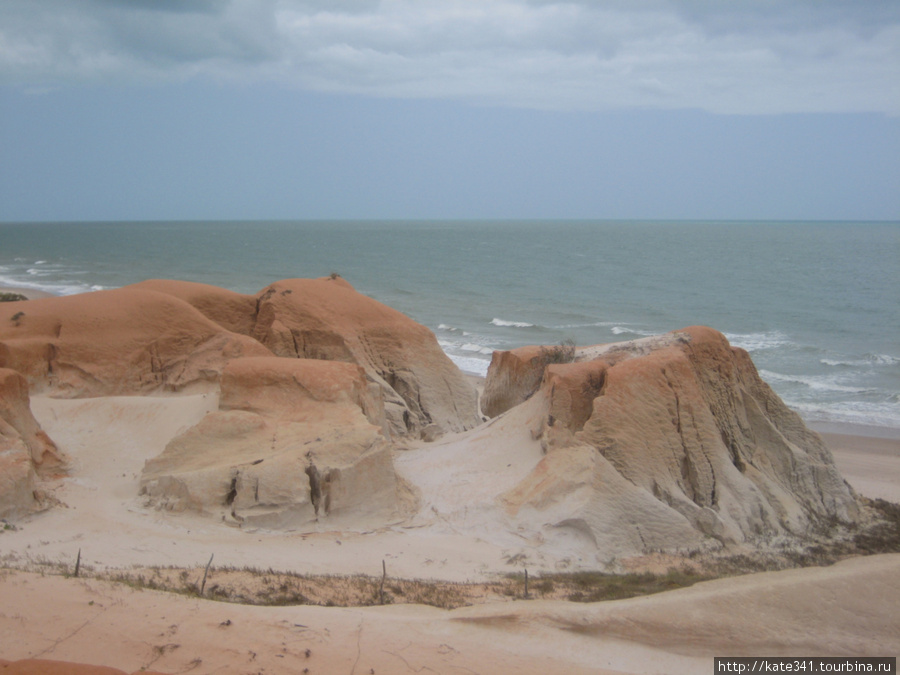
(205, 572)
(526, 583)
(78, 563)
(383, 576)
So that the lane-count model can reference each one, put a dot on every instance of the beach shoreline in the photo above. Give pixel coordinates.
(29, 293)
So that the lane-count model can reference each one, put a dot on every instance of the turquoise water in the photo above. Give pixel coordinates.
(816, 304)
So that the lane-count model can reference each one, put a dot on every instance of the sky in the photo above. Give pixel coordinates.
(457, 109)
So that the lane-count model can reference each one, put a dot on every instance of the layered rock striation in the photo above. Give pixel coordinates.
(327, 319)
(26, 453)
(117, 342)
(667, 443)
(295, 441)
(165, 335)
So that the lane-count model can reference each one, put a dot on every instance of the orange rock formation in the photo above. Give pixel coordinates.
(667, 442)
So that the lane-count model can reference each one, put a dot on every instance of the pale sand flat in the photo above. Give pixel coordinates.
(870, 464)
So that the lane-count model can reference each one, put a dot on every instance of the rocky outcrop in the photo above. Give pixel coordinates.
(124, 341)
(234, 312)
(327, 319)
(162, 335)
(512, 378)
(26, 453)
(669, 442)
(294, 441)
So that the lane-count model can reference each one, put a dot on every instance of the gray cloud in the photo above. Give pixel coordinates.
(740, 56)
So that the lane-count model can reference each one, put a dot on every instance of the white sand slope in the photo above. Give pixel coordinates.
(110, 438)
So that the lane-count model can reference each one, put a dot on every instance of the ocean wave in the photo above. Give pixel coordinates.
(823, 383)
(623, 330)
(850, 412)
(470, 347)
(594, 324)
(867, 361)
(470, 365)
(511, 324)
(60, 288)
(754, 342)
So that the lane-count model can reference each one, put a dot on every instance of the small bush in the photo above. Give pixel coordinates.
(564, 352)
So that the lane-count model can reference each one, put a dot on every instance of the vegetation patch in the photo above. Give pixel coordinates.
(564, 352)
(255, 586)
(6, 296)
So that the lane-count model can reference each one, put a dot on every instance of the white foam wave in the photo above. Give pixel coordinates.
(867, 361)
(511, 324)
(754, 342)
(850, 412)
(468, 364)
(470, 347)
(595, 324)
(623, 330)
(817, 383)
(51, 288)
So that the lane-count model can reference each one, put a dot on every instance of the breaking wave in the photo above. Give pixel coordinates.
(511, 324)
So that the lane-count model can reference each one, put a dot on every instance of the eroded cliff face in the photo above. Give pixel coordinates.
(27, 454)
(117, 342)
(670, 442)
(294, 441)
(327, 319)
(163, 335)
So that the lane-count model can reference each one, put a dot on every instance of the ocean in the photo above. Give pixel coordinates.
(817, 304)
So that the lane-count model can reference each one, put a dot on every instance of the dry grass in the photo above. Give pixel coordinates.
(271, 588)
(248, 585)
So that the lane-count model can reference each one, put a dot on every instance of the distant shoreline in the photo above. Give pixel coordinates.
(30, 293)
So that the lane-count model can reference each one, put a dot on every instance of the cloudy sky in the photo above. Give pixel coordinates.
(244, 109)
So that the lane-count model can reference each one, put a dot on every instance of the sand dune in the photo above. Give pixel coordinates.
(843, 610)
